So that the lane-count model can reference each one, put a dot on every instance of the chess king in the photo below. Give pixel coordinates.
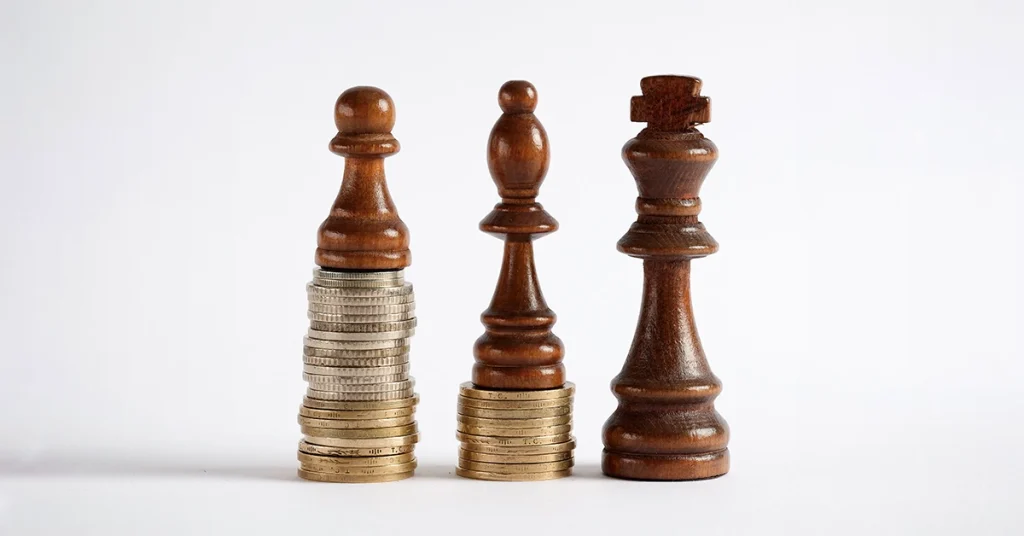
(666, 426)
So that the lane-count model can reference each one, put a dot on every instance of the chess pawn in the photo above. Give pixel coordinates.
(518, 350)
(666, 426)
(363, 230)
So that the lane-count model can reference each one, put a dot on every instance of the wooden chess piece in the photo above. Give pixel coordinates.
(363, 230)
(666, 426)
(518, 350)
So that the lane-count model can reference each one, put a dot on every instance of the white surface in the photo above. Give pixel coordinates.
(165, 168)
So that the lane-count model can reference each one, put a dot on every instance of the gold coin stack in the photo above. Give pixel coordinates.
(515, 435)
(357, 418)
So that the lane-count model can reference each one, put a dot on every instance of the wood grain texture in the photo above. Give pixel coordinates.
(363, 230)
(518, 349)
(666, 426)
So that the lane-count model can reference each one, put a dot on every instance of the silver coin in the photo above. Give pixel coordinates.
(355, 362)
(360, 319)
(362, 388)
(359, 397)
(316, 290)
(347, 336)
(343, 274)
(350, 345)
(360, 301)
(316, 381)
(355, 354)
(372, 327)
(358, 310)
(357, 284)
(350, 372)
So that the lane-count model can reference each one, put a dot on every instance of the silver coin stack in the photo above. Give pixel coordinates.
(357, 418)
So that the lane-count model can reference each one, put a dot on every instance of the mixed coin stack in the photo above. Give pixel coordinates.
(515, 435)
(357, 418)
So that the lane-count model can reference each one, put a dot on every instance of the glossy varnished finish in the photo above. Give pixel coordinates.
(518, 350)
(363, 230)
(666, 426)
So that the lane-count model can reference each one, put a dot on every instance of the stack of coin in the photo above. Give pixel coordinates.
(357, 418)
(515, 435)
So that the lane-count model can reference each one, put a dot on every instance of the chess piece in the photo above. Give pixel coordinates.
(666, 426)
(514, 420)
(357, 418)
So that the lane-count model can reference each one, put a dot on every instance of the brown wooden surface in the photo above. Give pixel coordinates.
(363, 230)
(666, 426)
(518, 350)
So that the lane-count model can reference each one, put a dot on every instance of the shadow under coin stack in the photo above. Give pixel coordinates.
(357, 418)
(515, 418)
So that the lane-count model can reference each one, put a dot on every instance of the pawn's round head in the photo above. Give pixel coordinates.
(364, 110)
(517, 97)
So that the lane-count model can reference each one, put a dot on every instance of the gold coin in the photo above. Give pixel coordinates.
(360, 461)
(514, 413)
(354, 405)
(515, 468)
(471, 439)
(354, 424)
(366, 433)
(516, 423)
(514, 404)
(372, 443)
(327, 467)
(519, 477)
(467, 390)
(370, 452)
(507, 458)
(356, 415)
(331, 477)
(520, 450)
(513, 432)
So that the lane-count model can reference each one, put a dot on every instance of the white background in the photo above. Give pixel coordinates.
(165, 168)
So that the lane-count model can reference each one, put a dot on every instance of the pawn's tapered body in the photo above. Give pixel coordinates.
(666, 426)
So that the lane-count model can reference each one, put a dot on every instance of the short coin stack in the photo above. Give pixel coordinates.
(357, 417)
(515, 435)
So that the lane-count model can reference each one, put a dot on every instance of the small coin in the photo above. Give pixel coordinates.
(372, 443)
(514, 413)
(360, 301)
(513, 432)
(360, 319)
(357, 371)
(357, 453)
(522, 450)
(349, 336)
(318, 291)
(335, 382)
(357, 284)
(360, 461)
(519, 477)
(362, 310)
(384, 387)
(515, 468)
(515, 404)
(362, 433)
(356, 424)
(504, 441)
(363, 415)
(331, 477)
(351, 275)
(467, 390)
(542, 422)
(512, 458)
(357, 346)
(354, 362)
(358, 397)
(372, 327)
(362, 405)
(360, 470)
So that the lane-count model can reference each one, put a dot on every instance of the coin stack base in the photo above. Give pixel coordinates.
(358, 416)
(515, 435)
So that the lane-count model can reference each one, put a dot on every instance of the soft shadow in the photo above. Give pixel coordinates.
(127, 467)
(588, 470)
(436, 470)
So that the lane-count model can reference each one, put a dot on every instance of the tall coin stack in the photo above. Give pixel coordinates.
(357, 417)
(514, 420)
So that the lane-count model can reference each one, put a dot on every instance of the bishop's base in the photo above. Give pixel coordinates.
(665, 467)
